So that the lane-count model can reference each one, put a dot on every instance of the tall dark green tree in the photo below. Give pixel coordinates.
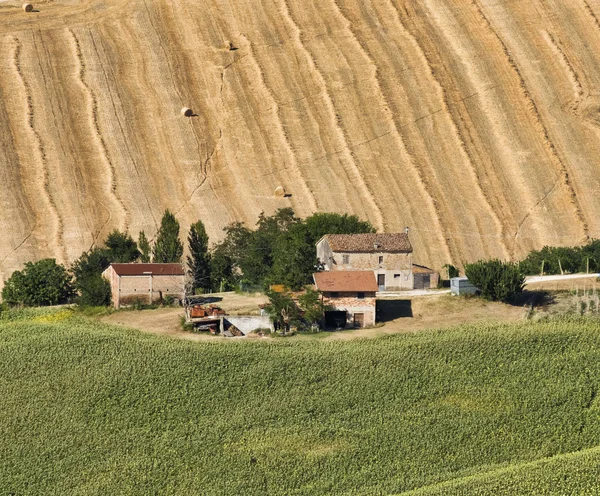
(121, 248)
(222, 277)
(144, 247)
(168, 247)
(40, 283)
(92, 288)
(198, 260)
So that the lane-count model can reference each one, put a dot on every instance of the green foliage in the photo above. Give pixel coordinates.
(452, 271)
(552, 259)
(145, 248)
(282, 310)
(39, 284)
(281, 250)
(121, 248)
(92, 288)
(199, 259)
(322, 223)
(221, 270)
(480, 410)
(168, 247)
(497, 281)
(312, 306)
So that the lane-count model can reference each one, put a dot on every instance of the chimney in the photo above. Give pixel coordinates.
(406, 229)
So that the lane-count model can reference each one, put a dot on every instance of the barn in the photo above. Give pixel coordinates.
(145, 283)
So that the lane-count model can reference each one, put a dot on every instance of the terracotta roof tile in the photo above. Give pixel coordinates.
(421, 269)
(370, 243)
(346, 281)
(140, 269)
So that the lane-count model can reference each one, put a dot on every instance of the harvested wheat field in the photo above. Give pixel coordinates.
(476, 123)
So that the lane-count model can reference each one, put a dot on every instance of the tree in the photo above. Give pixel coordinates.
(121, 247)
(144, 246)
(497, 281)
(282, 310)
(294, 254)
(167, 247)
(39, 284)
(313, 306)
(199, 259)
(221, 270)
(322, 223)
(92, 288)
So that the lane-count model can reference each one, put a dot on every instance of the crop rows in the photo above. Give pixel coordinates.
(91, 409)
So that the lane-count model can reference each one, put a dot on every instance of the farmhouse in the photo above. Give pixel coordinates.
(144, 282)
(388, 255)
(350, 295)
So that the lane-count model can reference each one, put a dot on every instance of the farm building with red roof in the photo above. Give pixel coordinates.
(144, 282)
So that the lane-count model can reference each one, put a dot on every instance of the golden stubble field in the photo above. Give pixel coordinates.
(474, 122)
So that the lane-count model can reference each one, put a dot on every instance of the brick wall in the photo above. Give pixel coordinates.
(144, 288)
(350, 303)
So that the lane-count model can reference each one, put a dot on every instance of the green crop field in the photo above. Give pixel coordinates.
(86, 408)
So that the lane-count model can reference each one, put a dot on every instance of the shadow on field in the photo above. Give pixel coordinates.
(203, 300)
(388, 310)
(536, 298)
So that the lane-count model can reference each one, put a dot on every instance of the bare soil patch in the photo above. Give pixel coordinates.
(167, 321)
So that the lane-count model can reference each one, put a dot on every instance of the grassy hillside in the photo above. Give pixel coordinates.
(91, 409)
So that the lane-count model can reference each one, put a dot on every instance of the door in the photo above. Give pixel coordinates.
(419, 282)
(381, 281)
(335, 319)
(359, 320)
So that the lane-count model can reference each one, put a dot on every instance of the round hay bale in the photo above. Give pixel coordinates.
(280, 191)
(27, 7)
(228, 45)
(187, 112)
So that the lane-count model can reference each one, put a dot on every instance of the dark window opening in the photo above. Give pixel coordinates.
(360, 296)
(334, 294)
(345, 259)
(380, 259)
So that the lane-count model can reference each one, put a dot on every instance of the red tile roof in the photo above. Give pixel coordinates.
(421, 269)
(144, 269)
(370, 243)
(346, 281)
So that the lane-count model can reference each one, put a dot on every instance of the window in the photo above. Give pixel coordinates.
(380, 259)
(396, 276)
(334, 294)
(360, 296)
(345, 259)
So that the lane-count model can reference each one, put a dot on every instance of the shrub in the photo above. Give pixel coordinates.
(497, 281)
(39, 284)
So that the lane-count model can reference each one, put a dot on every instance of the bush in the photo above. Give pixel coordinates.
(497, 281)
(92, 288)
(40, 283)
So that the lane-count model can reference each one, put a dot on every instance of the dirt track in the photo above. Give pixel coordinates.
(474, 122)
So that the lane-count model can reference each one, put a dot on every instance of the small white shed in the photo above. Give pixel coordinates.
(461, 285)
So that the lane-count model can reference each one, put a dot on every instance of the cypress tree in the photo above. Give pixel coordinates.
(144, 246)
(167, 247)
(199, 259)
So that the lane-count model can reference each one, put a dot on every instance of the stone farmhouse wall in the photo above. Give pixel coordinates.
(396, 267)
(350, 303)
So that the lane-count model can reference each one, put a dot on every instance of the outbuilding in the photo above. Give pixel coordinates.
(350, 296)
(144, 282)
